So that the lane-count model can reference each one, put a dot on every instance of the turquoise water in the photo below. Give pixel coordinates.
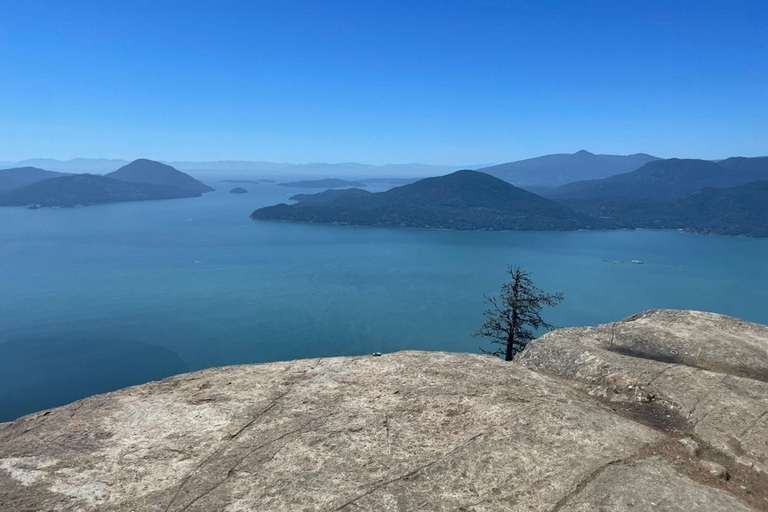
(93, 299)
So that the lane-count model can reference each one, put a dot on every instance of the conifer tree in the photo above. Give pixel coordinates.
(514, 315)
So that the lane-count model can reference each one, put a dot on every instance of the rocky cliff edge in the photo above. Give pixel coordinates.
(665, 410)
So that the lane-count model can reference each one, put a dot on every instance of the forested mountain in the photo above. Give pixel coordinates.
(86, 189)
(748, 169)
(665, 179)
(156, 173)
(740, 210)
(460, 200)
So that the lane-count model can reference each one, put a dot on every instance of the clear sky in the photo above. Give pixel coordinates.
(382, 81)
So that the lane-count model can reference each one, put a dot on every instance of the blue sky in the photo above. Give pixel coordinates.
(444, 82)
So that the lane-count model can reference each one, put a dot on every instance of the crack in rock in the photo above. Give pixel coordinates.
(385, 483)
(240, 461)
(562, 502)
(661, 373)
(752, 425)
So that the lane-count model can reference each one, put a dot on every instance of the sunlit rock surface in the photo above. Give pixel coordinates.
(416, 431)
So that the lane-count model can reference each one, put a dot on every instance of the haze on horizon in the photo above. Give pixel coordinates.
(434, 82)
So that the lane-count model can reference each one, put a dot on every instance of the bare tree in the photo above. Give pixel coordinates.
(515, 314)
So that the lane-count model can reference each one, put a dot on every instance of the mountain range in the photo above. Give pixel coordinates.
(728, 196)
(546, 171)
(559, 169)
(319, 169)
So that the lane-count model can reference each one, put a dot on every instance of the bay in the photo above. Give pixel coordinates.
(96, 298)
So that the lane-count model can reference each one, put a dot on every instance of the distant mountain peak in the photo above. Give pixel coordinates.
(146, 160)
(144, 170)
(22, 176)
(563, 168)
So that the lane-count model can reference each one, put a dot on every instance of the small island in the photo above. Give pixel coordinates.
(238, 190)
(325, 183)
(252, 182)
(391, 181)
(329, 195)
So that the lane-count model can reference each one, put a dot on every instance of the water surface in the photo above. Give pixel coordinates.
(96, 298)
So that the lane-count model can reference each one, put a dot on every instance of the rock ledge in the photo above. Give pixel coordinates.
(562, 431)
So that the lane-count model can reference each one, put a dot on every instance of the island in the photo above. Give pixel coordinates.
(252, 182)
(325, 183)
(726, 198)
(88, 189)
(238, 190)
(330, 195)
(390, 181)
(141, 180)
(465, 200)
